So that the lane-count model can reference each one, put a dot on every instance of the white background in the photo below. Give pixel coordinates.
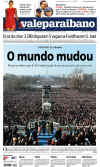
(97, 74)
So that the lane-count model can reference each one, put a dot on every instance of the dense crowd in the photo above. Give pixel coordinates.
(69, 108)
(74, 108)
(21, 106)
(60, 136)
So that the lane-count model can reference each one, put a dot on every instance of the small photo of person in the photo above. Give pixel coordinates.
(48, 12)
(10, 15)
(11, 18)
(38, 13)
(43, 5)
(45, 10)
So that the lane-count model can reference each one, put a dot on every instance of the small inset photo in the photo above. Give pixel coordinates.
(44, 10)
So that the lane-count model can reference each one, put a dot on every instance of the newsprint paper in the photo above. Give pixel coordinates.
(49, 83)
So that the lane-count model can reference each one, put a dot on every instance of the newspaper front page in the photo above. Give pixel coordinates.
(49, 83)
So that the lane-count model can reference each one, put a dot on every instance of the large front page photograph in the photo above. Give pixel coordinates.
(49, 95)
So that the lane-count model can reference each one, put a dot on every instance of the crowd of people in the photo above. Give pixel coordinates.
(70, 108)
(74, 108)
(21, 106)
(60, 136)
(74, 136)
